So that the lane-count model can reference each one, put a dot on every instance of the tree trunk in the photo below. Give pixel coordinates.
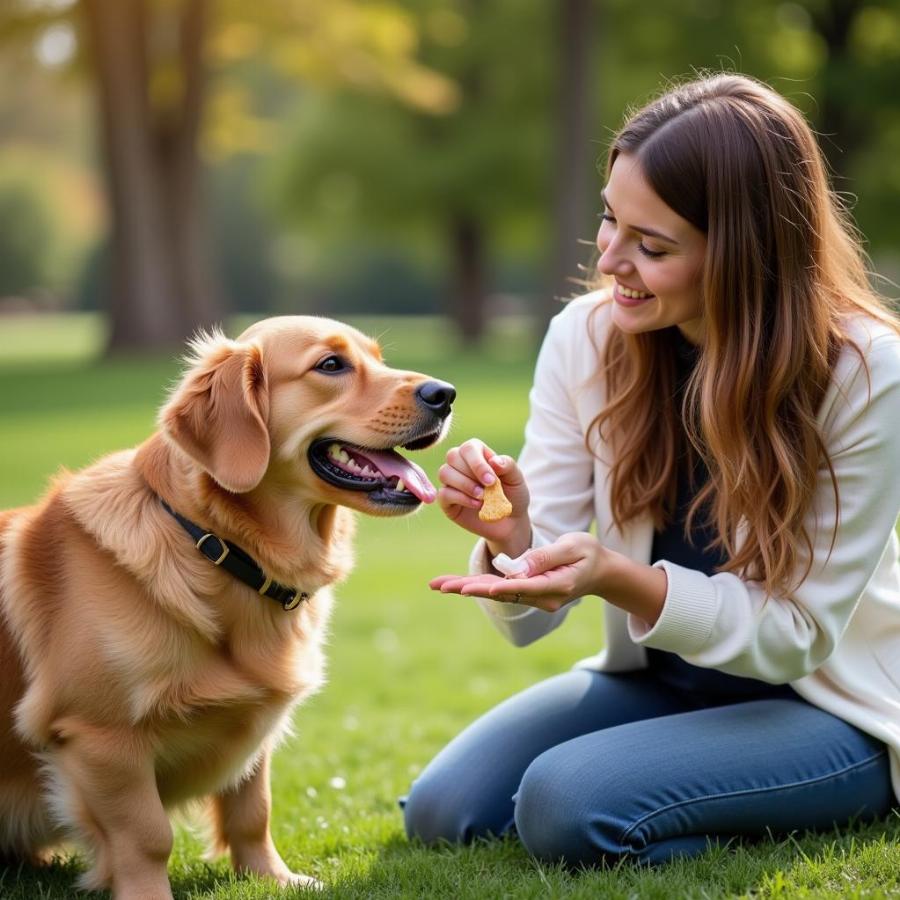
(572, 190)
(182, 176)
(468, 310)
(843, 131)
(161, 283)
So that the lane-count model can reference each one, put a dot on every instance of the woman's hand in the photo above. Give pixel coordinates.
(463, 477)
(573, 566)
(558, 573)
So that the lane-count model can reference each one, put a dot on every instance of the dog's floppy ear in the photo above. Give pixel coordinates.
(217, 414)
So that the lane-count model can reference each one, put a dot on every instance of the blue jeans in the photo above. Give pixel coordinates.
(589, 767)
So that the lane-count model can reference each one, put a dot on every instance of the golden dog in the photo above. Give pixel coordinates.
(135, 674)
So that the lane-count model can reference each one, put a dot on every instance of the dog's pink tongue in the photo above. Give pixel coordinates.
(390, 463)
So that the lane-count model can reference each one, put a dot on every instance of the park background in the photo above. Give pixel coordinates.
(430, 171)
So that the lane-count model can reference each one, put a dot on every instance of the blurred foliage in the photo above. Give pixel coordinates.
(169, 81)
(26, 231)
(395, 168)
(356, 165)
(365, 47)
(342, 137)
(46, 206)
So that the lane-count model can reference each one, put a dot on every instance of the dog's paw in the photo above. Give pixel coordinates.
(307, 882)
(270, 865)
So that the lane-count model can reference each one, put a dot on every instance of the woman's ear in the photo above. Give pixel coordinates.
(217, 414)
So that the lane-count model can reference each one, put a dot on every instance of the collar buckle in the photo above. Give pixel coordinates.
(294, 600)
(239, 563)
(222, 544)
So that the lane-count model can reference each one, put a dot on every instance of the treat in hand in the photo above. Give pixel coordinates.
(511, 568)
(495, 506)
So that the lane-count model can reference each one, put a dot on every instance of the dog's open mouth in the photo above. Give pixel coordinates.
(385, 475)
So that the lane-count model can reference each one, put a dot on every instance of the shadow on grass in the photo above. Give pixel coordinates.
(21, 881)
(58, 880)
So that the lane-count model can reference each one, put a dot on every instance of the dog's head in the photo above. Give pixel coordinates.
(306, 405)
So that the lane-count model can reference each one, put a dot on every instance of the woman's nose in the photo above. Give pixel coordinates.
(610, 261)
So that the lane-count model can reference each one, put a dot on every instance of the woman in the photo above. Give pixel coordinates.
(724, 414)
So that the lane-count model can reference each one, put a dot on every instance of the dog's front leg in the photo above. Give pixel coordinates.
(107, 789)
(241, 819)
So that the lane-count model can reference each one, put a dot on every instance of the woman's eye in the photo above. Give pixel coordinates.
(331, 364)
(606, 217)
(652, 254)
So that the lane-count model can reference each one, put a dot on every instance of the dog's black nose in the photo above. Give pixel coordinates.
(438, 396)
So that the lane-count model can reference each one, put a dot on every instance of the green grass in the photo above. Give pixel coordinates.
(408, 668)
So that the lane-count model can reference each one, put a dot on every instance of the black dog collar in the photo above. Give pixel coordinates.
(239, 563)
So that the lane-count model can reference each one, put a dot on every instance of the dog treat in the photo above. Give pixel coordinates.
(495, 506)
(510, 567)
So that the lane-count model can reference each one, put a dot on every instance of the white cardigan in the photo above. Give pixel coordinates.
(836, 638)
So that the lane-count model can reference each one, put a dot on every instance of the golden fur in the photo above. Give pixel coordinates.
(134, 674)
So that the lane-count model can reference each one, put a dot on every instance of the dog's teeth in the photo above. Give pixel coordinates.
(349, 463)
(400, 485)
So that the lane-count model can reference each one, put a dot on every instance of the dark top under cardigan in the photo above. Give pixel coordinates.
(671, 544)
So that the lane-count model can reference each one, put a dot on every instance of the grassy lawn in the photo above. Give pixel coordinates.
(408, 669)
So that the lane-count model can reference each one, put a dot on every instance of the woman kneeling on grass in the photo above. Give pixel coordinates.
(726, 415)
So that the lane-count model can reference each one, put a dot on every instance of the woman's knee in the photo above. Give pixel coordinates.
(440, 807)
(426, 811)
(555, 818)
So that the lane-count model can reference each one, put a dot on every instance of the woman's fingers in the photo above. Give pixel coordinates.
(509, 473)
(508, 470)
(464, 469)
(564, 551)
(475, 455)
(473, 466)
(487, 585)
(450, 583)
(436, 583)
(463, 478)
(492, 587)
(449, 497)
(459, 481)
(458, 584)
(526, 587)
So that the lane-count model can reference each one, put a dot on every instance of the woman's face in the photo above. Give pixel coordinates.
(655, 256)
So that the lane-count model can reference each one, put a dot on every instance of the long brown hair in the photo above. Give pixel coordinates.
(783, 274)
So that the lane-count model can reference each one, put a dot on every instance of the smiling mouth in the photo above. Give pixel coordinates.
(633, 293)
(387, 477)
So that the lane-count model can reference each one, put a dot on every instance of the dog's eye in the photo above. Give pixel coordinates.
(331, 365)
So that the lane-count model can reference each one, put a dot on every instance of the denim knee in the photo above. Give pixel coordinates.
(553, 820)
(426, 815)
(437, 809)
